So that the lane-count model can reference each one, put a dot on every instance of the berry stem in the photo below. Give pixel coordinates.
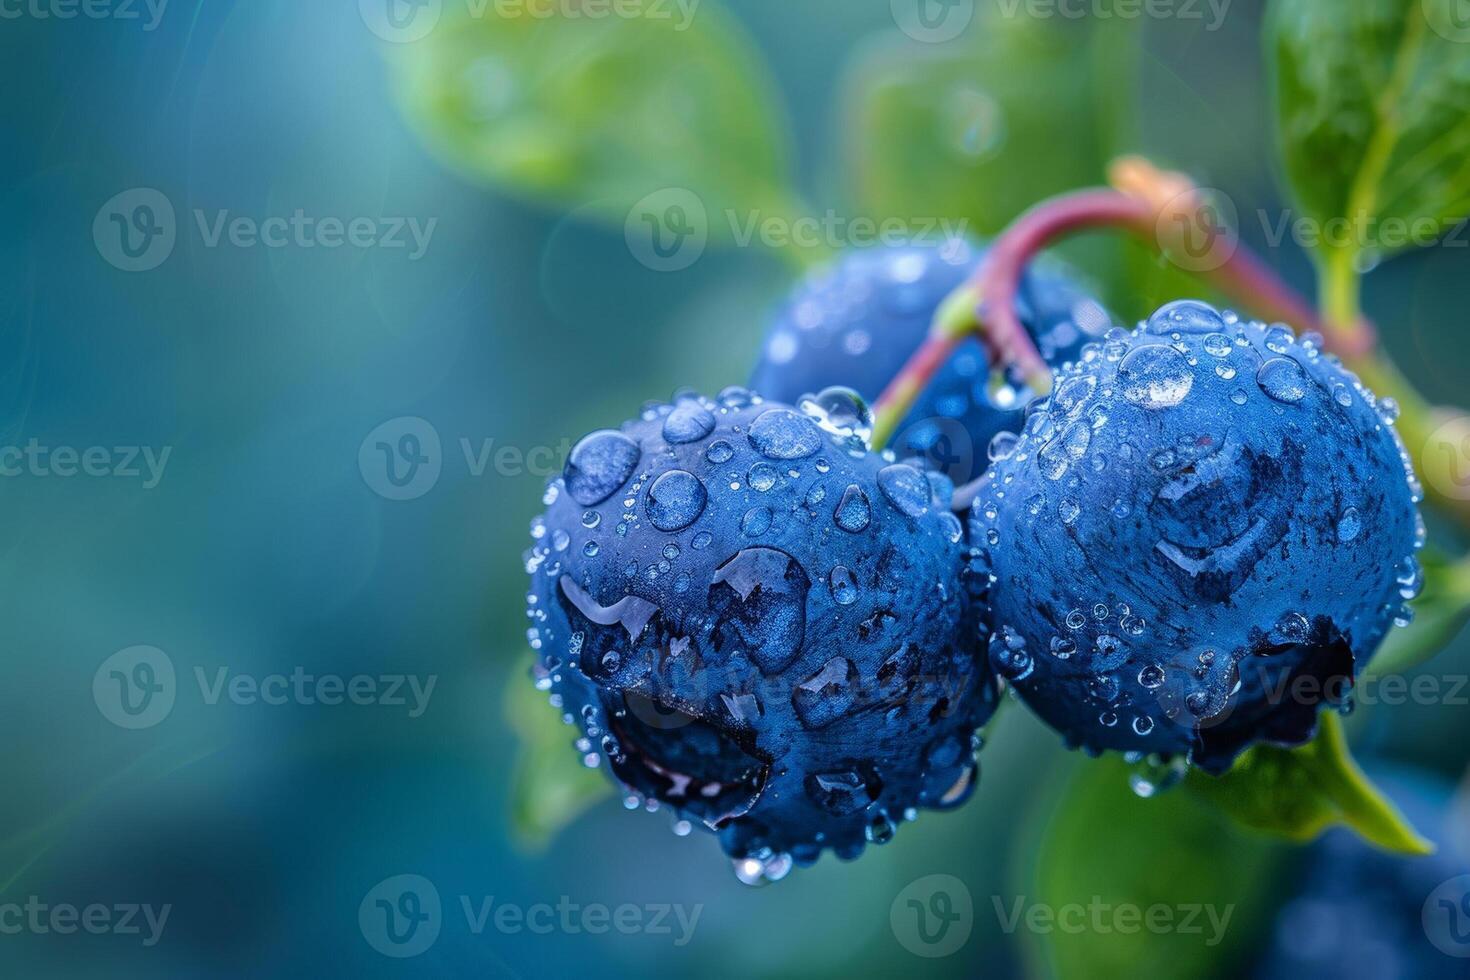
(953, 321)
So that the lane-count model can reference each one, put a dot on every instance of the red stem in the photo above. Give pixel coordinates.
(1155, 202)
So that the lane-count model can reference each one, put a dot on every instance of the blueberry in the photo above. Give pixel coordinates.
(856, 323)
(1351, 910)
(761, 624)
(1198, 540)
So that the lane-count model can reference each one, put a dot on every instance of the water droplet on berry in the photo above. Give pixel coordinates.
(1155, 376)
(843, 585)
(757, 521)
(598, 465)
(853, 512)
(905, 488)
(688, 422)
(1283, 380)
(675, 500)
(780, 433)
(1185, 316)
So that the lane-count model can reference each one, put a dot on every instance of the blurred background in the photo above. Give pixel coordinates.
(253, 676)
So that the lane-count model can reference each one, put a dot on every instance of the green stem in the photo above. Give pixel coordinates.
(953, 321)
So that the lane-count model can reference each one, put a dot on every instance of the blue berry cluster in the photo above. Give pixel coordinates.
(1192, 545)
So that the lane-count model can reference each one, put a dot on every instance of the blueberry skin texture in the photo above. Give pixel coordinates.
(759, 629)
(857, 323)
(1207, 526)
(1355, 912)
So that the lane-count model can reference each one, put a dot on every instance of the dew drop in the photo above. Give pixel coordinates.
(598, 465)
(780, 433)
(1155, 376)
(843, 585)
(688, 422)
(853, 512)
(675, 500)
(1283, 380)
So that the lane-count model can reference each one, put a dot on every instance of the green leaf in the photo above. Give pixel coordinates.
(1298, 793)
(1105, 847)
(550, 788)
(1440, 612)
(1370, 98)
(979, 130)
(596, 113)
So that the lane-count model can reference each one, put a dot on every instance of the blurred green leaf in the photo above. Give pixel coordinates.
(1298, 793)
(1104, 846)
(551, 788)
(1440, 612)
(596, 113)
(1371, 98)
(984, 129)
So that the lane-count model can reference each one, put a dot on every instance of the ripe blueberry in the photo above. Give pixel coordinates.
(1198, 540)
(759, 622)
(856, 323)
(1353, 909)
